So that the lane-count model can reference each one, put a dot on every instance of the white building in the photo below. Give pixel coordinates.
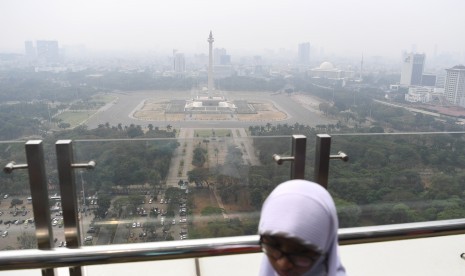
(328, 71)
(454, 88)
(419, 94)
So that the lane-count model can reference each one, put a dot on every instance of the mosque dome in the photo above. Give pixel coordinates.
(326, 66)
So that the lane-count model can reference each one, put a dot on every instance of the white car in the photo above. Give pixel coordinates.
(182, 220)
(4, 234)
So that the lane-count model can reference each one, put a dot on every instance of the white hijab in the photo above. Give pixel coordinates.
(303, 210)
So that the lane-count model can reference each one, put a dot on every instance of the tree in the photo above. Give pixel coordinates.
(199, 157)
(256, 198)
(198, 176)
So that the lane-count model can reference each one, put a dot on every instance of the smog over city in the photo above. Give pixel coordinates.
(382, 28)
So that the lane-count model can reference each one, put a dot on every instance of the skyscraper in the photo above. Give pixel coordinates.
(412, 69)
(303, 56)
(30, 50)
(219, 56)
(47, 51)
(179, 62)
(454, 88)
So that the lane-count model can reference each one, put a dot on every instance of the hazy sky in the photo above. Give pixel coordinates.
(374, 27)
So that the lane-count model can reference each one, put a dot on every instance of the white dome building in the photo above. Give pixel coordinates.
(327, 71)
(326, 66)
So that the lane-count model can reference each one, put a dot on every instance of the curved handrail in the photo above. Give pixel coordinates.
(123, 253)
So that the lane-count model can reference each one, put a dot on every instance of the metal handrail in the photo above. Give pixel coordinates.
(124, 253)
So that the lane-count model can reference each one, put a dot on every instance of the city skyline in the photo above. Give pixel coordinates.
(385, 28)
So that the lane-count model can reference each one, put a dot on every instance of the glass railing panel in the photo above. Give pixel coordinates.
(17, 220)
(171, 189)
(17, 229)
(398, 178)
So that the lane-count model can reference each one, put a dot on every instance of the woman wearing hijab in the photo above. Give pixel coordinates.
(298, 231)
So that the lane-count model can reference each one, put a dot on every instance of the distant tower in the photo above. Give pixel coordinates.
(179, 62)
(361, 69)
(47, 51)
(304, 53)
(210, 62)
(30, 50)
(454, 88)
(412, 69)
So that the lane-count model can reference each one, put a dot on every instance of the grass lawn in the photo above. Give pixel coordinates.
(204, 133)
(106, 98)
(74, 118)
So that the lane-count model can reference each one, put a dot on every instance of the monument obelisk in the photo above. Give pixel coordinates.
(210, 64)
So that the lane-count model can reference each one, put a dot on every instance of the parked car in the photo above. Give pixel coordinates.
(5, 233)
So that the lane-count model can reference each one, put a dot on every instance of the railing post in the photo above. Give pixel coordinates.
(322, 156)
(299, 145)
(299, 148)
(39, 193)
(64, 151)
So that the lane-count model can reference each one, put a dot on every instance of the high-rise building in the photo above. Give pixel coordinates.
(412, 69)
(428, 80)
(29, 50)
(179, 62)
(303, 56)
(220, 57)
(454, 88)
(47, 51)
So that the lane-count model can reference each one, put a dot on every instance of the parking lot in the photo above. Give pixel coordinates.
(142, 226)
(18, 220)
(146, 226)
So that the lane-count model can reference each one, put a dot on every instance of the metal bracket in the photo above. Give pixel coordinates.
(299, 143)
(280, 160)
(340, 155)
(90, 165)
(11, 166)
